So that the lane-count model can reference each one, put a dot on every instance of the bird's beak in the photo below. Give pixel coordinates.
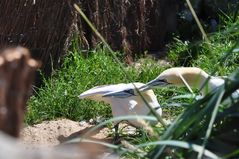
(119, 94)
(81, 96)
(153, 84)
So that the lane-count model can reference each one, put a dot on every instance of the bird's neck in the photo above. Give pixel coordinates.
(200, 81)
(206, 85)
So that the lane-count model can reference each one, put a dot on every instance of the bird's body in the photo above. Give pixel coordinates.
(130, 104)
(215, 82)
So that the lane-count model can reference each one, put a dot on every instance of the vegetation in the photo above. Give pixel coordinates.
(204, 127)
(77, 75)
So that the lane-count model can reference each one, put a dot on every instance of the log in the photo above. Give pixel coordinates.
(17, 70)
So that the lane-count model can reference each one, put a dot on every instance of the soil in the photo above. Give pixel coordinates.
(51, 133)
(55, 133)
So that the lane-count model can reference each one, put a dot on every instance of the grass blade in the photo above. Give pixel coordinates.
(233, 154)
(121, 118)
(121, 149)
(216, 99)
(197, 21)
(182, 144)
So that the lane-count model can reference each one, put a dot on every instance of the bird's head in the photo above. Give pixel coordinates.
(178, 76)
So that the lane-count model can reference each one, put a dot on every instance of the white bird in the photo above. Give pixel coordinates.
(187, 76)
(124, 100)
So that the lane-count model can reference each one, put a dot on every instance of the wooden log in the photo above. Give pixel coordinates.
(17, 70)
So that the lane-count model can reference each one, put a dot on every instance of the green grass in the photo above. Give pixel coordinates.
(59, 96)
(207, 56)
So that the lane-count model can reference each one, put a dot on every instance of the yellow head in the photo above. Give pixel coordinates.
(178, 76)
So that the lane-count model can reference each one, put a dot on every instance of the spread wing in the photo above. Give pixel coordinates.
(100, 90)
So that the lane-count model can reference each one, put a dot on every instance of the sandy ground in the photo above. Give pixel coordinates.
(51, 133)
(54, 133)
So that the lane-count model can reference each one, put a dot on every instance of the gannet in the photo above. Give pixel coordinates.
(124, 100)
(182, 76)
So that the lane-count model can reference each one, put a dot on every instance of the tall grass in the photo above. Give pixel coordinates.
(59, 96)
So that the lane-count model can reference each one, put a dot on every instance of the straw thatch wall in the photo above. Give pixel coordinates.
(43, 26)
(131, 26)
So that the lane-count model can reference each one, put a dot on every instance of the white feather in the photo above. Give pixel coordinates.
(132, 104)
(101, 90)
(215, 82)
(218, 81)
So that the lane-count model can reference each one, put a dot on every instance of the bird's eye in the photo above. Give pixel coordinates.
(163, 80)
(130, 91)
(156, 108)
